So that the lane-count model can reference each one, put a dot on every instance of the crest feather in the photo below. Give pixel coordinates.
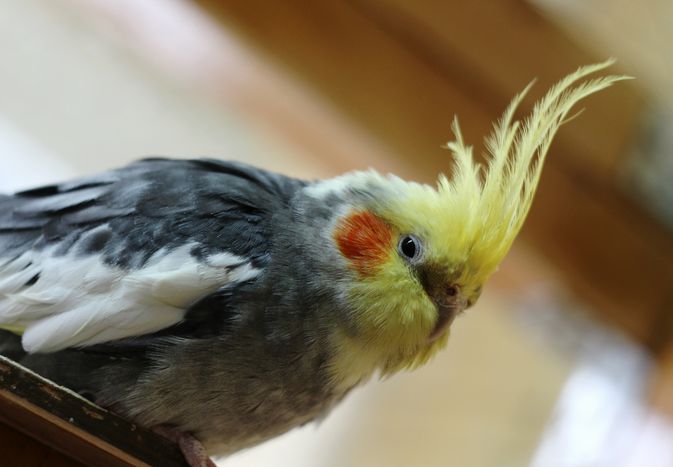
(495, 200)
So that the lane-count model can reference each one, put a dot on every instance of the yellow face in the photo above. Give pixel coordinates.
(409, 286)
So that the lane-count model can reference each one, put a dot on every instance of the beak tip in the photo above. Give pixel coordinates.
(445, 316)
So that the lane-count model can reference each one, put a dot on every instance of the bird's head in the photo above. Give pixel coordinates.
(417, 256)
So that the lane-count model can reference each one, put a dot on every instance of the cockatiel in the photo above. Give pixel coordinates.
(231, 304)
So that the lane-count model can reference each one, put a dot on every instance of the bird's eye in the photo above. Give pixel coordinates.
(410, 247)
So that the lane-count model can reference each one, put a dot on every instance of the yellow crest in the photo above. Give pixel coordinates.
(468, 224)
(484, 207)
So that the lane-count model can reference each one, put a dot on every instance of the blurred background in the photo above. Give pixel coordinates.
(567, 360)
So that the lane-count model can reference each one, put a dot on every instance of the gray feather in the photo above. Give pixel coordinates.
(248, 361)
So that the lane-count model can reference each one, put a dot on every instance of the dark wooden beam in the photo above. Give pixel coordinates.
(67, 423)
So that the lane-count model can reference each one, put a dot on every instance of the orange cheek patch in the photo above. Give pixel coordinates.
(365, 239)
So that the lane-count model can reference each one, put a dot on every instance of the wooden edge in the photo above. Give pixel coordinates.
(74, 426)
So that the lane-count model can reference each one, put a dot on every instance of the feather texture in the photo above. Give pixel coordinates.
(126, 253)
(81, 301)
(495, 200)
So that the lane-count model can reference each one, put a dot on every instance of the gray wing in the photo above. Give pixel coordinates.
(125, 253)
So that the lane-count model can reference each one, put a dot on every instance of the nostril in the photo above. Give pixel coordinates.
(451, 291)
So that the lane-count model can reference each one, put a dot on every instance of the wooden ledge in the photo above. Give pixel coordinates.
(66, 422)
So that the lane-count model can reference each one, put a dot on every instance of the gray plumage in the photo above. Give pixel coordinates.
(247, 361)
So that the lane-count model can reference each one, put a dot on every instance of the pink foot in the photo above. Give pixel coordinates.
(191, 448)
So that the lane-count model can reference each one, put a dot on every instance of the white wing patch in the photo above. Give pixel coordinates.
(80, 301)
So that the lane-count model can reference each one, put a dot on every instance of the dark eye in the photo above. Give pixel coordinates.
(410, 247)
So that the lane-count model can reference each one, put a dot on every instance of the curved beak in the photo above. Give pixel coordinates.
(447, 297)
(447, 310)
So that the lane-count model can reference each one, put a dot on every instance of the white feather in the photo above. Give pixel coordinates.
(79, 301)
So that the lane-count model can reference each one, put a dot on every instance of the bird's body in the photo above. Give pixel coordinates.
(234, 303)
(206, 264)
